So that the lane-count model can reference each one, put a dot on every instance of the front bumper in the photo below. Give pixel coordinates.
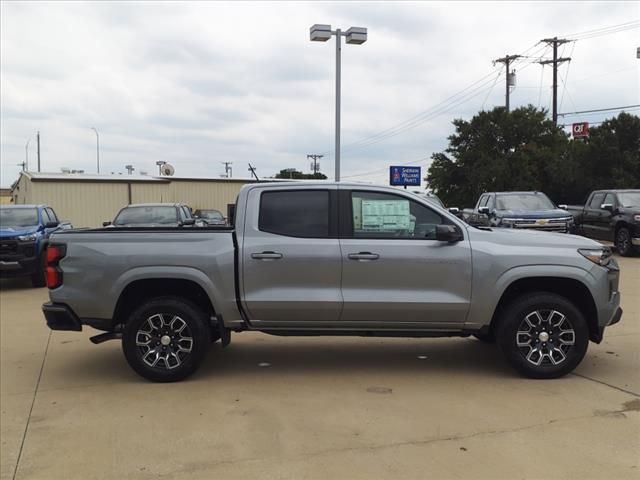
(11, 266)
(60, 317)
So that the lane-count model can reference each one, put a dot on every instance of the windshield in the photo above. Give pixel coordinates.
(18, 217)
(629, 199)
(147, 215)
(211, 215)
(524, 202)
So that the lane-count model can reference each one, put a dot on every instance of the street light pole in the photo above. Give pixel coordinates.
(354, 35)
(97, 148)
(338, 85)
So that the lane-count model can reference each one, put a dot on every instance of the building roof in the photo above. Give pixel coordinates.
(89, 177)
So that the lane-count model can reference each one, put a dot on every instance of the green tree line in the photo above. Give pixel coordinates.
(523, 150)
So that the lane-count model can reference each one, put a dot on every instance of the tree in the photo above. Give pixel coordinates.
(296, 175)
(495, 151)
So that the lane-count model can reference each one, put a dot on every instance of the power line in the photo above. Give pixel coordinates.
(566, 76)
(626, 107)
(611, 29)
(371, 172)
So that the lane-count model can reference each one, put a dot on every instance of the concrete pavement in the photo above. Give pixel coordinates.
(320, 408)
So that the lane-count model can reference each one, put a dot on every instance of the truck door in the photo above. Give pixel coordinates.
(291, 261)
(394, 273)
(592, 214)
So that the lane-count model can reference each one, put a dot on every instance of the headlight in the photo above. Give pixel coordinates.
(507, 222)
(27, 238)
(636, 218)
(600, 256)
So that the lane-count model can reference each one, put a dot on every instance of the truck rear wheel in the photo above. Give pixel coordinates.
(166, 339)
(543, 335)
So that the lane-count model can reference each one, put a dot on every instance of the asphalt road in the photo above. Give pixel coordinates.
(296, 408)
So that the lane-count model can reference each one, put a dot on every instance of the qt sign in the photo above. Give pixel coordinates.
(404, 176)
(580, 130)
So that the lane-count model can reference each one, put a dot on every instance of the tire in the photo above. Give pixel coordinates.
(38, 279)
(166, 339)
(485, 337)
(623, 242)
(533, 318)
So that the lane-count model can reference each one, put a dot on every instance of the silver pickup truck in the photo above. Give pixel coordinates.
(333, 259)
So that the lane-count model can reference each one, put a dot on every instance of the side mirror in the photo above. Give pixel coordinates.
(607, 206)
(51, 224)
(448, 233)
(189, 221)
(106, 224)
(563, 207)
(454, 210)
(484, 210)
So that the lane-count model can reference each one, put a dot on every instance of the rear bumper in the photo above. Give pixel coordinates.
(60, 317)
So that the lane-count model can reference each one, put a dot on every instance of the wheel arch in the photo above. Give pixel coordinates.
(570, 288)
(139, 290)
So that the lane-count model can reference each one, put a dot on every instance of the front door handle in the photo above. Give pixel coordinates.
(266, 256)
(363, 256)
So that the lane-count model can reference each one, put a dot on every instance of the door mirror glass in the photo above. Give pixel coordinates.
(188, 221)
(484, 210)
(563, 207)
(51, 224)
(106, 224)
(448, 233)
(454, 210)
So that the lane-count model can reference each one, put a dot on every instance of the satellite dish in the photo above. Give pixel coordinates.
(167, 169)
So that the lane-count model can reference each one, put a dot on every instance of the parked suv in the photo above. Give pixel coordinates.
(23, 232)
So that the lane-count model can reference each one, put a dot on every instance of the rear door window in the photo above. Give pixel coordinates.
(295, 213)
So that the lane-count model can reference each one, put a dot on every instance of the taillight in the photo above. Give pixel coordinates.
(52, 269)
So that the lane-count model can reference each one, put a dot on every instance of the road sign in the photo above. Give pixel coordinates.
(580, 130)
(404, 176)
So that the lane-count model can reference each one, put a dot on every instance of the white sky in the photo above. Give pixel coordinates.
(196, 84)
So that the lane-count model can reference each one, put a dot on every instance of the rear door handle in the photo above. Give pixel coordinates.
(266, 256)
(363, 256)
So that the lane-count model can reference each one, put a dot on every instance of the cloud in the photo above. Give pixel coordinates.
(199, 83)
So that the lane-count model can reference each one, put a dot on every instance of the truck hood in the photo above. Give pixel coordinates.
(532, 238)
(555, 213)
(10, 232)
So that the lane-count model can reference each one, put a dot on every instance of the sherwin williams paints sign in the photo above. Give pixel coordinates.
(404, 176)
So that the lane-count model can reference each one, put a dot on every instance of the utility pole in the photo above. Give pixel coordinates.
(38, 140)
(26, 155)
(507, 60)
(252, 169)
(23, 165)
(555, 41)
(227, 169)
(315, 159)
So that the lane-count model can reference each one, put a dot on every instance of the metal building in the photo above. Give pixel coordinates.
(88, 200)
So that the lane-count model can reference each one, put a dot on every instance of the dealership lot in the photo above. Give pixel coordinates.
(270, 407)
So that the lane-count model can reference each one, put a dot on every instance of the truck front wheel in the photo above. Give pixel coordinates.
(623, 242)
(543, 335)
(166, 339)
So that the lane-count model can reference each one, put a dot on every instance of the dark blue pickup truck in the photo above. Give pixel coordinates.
(529, 210)
(24, 230)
